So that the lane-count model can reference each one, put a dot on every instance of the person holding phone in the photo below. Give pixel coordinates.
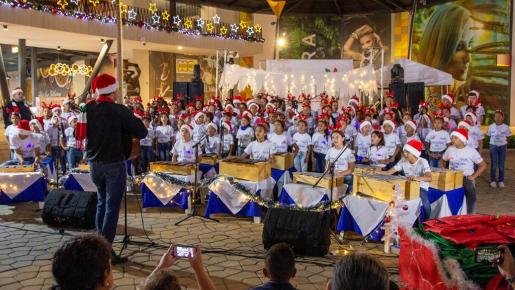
(506, 265)
(162, 273)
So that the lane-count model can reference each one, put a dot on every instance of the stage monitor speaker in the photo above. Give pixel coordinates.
(306, 232)
(69, 208)
(415, 95)
(397, 73)
(182, 89)
(196, 73)
(399, 92)
(195, 89)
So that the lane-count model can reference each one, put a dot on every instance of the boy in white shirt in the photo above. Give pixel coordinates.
(321, 143)
(12, 130)
(363, 142)
(391, 141)
(212, 142)
(301, 146)
(26, 147)
(437, 141)
(414, 168)
(475, 135)
(69, 144)
(499, 133)
(228, 139)
(245, 133)
(463, 158)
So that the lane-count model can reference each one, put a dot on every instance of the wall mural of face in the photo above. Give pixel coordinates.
(459, 65)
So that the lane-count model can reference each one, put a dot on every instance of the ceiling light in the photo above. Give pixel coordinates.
(14, 49)
(6, 28)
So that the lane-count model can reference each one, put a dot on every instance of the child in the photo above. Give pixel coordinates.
(448, 102)
(280, 139)
(212, 142)
(462, 157)
(261, 148)
(26, 147)
(449, 122)
(363, 142)
(69, 144)
(414, 168)
(499, 133)
(147, 144)
(379, 156)
(164, 133)
(228, 140)
(401, 131)
(391, 140)
(183, 150)
(423, 120)
(199, 129)
(473, 101)
(245, 133)
(301, 143)
(55, 130)
(411, 131)
(321, 143)
(437, 141)
(12, 130)
(475, 135)
(346, 163)
(38, 133)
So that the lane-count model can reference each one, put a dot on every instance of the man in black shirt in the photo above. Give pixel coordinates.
(110, 129)
(16, 105)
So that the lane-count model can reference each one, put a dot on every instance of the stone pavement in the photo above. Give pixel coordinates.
(232, 248)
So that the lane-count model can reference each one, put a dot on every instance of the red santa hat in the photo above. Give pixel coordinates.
(236, 100)
(423, 104)
(247, 115)
(212, 125)
(105, 84)
(213, 101)
(137, 100)
(474, 93)
(198, 115)
(16, 91)
(71, 118)
(363, 124)
(447, 97)
(466, 124)
(199, 98)
(461, 134)
(55, 107)
(354, 100)
(190, 105)
(389, 122)
(414, 147)
(36, 123)
(252, 103)
(412, 124)
(184, 116)
(438, 115)
(473, 116)
(187, 127)
(227, 125)
(24, 127)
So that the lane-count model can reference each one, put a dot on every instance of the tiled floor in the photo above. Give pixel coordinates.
(232, 248)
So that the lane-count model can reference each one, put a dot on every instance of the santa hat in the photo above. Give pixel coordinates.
(461, 134)
(252, 104)
(105, 84)
(389, 122)
(55, 107)
(423, 104)
(16, 91)
(236, 99)
(36, 123)
(465, 124)
(213, 125)
(363, 124)
(198, 115)
(474, 93)
(199, 98)
(414, 147)
(71, 118)
(213, 101)
(447, 97)
(412, 124)
(190, 105)
(229, 106)
(227, 125)
(306, 105)
(354, 100)
(187, 127)
(247, 115)
(438, 115)
(473, 116)
(184, 116)
(24, 127)
(138, 100)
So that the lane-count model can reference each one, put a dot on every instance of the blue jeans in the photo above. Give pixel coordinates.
(426, 205)
(240, 150)
(498, 158)
(56, 155)
(111, 181)
(74, 157)
(12, 162)
(319, 162)
(298, 162)
(348, 179)
(163, 151)
(145, 157)
(433, 162)
(470, 194)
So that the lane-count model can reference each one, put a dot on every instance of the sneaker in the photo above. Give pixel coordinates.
(501, 184)
(115, 259)
(493, 184)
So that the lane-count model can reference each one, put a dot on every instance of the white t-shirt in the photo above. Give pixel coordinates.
(228, 142)
(245, 136)
(498, 134)
(260, 151)
(43, 141)
(66, 115)
(198, 132)
(321, 143)
(10, 131)
(343, 162)
(211, 144)
(147, 141)
(378, 153)
(401, 131)
(164, 133)
(53, 134)
(475, 136)
(413, 137)
(362, 145)
(281, 141)
(417, 169)
(438, 140)
(184, 151)
(27, 146)
(302, 141)
(350, 133)
(390, 142)
(462, 159)
(69, 134)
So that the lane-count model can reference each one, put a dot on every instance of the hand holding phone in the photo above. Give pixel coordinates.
(184, 252)
(487, 255)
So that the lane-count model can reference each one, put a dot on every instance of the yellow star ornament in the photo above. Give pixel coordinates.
(62, 3)
(152, 7)
(165, 15)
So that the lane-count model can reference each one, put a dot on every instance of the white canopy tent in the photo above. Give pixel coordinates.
(416, 72)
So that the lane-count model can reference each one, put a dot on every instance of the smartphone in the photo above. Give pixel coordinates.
(487, 255)
(184, 251)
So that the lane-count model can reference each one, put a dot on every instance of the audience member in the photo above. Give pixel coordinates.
(359, 271)
(279, 268)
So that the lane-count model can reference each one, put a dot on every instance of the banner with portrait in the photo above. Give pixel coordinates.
(467, 39)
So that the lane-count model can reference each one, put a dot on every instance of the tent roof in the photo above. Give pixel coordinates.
(316, 7)
(417, 72)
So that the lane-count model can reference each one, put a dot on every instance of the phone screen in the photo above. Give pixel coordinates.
(184, 251)
(487, 255)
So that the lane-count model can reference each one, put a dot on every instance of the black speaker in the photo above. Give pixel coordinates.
(196, 73)
(306, 232)
(399, 92)
(397, 73)
(181, 88)
(415, 94)
(69, 208)
(195, 89)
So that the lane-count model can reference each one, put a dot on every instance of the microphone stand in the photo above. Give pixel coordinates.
(220, 148)
(195, 196)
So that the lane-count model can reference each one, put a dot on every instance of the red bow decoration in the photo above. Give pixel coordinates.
(302, 117)
(179, 96)
(438, 114)
(423, 104)
(199, 98)
(291, 97)
(443, 106)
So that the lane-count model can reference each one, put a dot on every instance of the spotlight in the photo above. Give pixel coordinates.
(281, 42)
(5, 27)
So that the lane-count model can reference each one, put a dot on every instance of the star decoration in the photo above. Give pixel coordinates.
(200, 22)
(165, 15)
(176, 20)
(250, 30)
(155, 19)
(223, 30)
(234, 27)
(216, 19)
(131, 14)
(243, 24)
(210, 27)
(62, 3)
(94, 2)
(76, 2)
(257, 28)
(123, 8)
(152, 7)
(188, 24)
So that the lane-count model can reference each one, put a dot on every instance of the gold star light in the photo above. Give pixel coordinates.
(94, 2)
(152, 7)
(257, 28)
(223, 30)
(243, 24)
(123, 8)
(188, 24)
(210, 27)
(62, 3)
(165, 15)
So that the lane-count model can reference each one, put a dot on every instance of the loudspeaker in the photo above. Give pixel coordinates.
(415, 93)
(397, 73)
(196, 73)
(195, 89)
(306, 232)
(399, 93)
(69, 208)
(182, 89)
